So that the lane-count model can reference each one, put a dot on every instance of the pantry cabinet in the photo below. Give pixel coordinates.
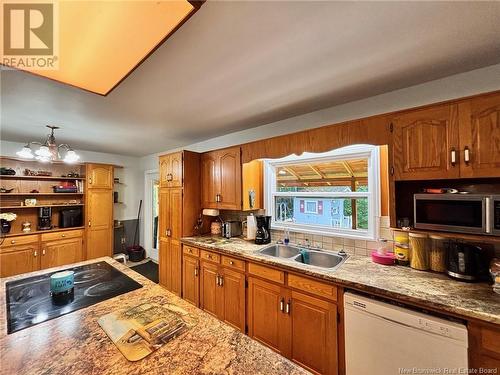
(479, 120)
(179, 207)
(99, 223)
(221, 179)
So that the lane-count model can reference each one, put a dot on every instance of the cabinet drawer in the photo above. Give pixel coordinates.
(313, 287)
(21, 240)
(209, 256)
(233, 263)
(61, 235)
(189, 250)
(266, 273)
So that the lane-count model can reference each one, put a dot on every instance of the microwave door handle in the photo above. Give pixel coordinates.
(487, 214)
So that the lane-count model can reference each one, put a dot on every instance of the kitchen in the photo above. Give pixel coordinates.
(339, 235)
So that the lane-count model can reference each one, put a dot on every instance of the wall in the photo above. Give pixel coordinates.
(452, 87)
(131, 175)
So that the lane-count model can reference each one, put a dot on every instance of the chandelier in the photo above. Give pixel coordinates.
(49, 150)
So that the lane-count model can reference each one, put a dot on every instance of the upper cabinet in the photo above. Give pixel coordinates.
(459, 140)
(171, 169)
(99, 176)
(221, 179)
(252, 181)
(425, 144)
(480, 136)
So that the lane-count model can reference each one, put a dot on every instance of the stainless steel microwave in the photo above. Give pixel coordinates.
(462, 213)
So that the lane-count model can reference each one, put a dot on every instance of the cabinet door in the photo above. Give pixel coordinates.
(19, 259)
(99, 176)
(175, 233)
(99, 223)
(164, 263)
(164, 168)
(233, 285)
(175, 170)
(190, 280)
(480, 137)
(423, 144)
(314, 333)
(252, 185)
(61, 252)
(163, 213)
(229, 161)
(175, 250)
(209, 288)
(267, 321)
(209, 180)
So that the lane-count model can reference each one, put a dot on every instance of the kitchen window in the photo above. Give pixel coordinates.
(333, 193)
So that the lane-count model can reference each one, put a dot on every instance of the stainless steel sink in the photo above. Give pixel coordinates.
(321, 259)
(281, 251)
(316, 258)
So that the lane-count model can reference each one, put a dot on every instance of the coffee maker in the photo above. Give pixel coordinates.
(44, 218)
(263, 233)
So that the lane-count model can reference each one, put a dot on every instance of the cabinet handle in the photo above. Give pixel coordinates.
(35, 254)
(220, 198)
(43, 251)
(231, 262)
(89, 224)
(63, 235)
(169, 232)
(196, 272)
(209, 256)
(217, 197)
(282, 304)
(90, 180)
(221, 278)
(12, 242)
(466, 155)
(288, 304)
(217, 282)
(453, 157)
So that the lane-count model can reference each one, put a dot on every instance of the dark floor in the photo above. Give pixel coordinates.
(149, 270)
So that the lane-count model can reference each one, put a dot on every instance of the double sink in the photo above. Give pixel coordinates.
(317, 258)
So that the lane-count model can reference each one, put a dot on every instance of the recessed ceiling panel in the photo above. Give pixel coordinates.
(101, 42)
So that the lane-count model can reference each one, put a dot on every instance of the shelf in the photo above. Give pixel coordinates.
(31, 194)
(41, 205)
(41, 231)
(53, 178)
(465, 236)
(43, 163)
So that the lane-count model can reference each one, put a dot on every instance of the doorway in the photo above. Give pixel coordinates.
(151, 208)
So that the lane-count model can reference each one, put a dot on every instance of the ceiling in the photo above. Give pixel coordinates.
(238, 65)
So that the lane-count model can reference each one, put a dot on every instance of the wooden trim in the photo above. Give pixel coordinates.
(311, 286)
(267, 273)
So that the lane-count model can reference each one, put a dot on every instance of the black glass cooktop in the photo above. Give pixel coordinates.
(29, 301)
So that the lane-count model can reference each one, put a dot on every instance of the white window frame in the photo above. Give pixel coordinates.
(371, 153)
(306, 211)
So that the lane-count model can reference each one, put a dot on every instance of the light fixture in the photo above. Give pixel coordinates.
(49, 150)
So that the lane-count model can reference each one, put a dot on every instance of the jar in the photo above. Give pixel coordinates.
(382, 247)
(216, 228)
(402, 253)
(418, 249)
(437, 253)
(401, 237)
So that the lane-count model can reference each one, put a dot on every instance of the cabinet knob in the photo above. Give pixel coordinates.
(231, 262)
(209, 256)
(196, 271)
(13, 242)
(35, 254)
(63, 235)
(43, 251)
(89, 224)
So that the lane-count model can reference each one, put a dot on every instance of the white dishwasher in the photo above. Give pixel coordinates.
(384, 339)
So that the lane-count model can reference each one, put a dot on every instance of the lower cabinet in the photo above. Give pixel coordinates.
(61, 252)
(170, 265)
(296, 325)
(484, 347)
(191, 280)
(17, 259)
(223, 293)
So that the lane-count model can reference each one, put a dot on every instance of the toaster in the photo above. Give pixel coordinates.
(231, 229)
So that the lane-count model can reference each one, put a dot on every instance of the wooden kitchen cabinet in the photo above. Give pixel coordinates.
(170, 232)
(19, 255)
(171, 170)
(191, 279)
(61, 252)
(99, 176)
(484, 346)
(221, 179)
(425, 143)
(253, 185)
(267, 321)
(99, 223)
(479, 120)
(210, 295)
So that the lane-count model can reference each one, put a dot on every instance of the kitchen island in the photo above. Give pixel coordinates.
(75, 344)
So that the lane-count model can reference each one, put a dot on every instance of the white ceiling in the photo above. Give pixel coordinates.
(237, 65)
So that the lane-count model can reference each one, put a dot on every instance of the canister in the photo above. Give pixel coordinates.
(419, 253)
(437, 253)
(62, 287)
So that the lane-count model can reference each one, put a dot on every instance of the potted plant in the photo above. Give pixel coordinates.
(5, 219)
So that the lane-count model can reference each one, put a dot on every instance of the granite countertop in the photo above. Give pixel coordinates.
(429, 289)
(75, 344)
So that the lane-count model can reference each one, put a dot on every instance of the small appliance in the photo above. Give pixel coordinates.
(462, 213)
(263, 233)
(465, 261)
(71, 217)
(231, 228)
(45, 218)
